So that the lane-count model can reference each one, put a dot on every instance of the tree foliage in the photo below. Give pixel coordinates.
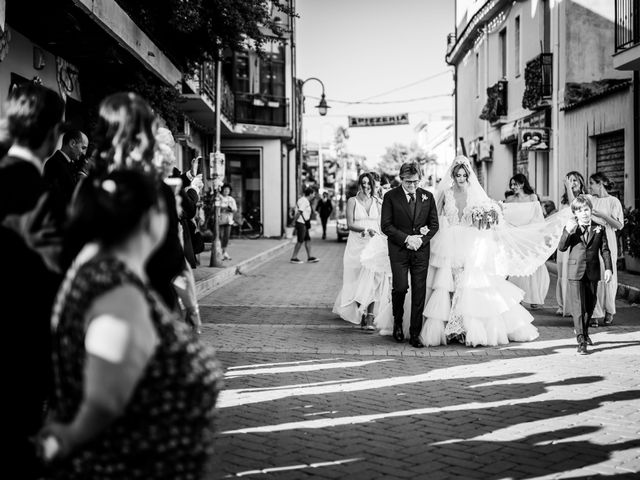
(399, 153)
(193, 31)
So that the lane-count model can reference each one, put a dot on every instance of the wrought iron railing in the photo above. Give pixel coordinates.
(546, 64)
(228, 101)
(496, 106)
(261, 109)
(207, 81)
(627, 28)
(538, 79)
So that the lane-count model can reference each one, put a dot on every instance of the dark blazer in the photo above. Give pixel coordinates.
(27, 294)
(397, 223)
(324, 208)
(61, 182)
(583, 256)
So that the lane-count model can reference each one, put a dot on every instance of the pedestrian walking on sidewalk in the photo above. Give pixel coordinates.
(324, 209)
(32, 117)
(303, 225)
(228, 208)
(585, 242)
(608, 212)
(134, 390)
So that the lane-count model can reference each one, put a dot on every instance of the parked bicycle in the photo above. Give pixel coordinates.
(249, 225)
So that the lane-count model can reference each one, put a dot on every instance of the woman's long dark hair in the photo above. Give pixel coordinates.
(583, 189)
(522, 179)
(371, 182)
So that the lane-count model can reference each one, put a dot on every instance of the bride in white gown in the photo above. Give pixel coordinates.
(363, 219)
(468, 296)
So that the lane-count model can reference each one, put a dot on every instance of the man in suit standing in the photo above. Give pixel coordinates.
(33, 114)
(586, 242)
(59, 169)
(409, 219)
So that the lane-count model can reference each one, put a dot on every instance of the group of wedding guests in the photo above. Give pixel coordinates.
(608, 212)
(105, 379)
(477, 279)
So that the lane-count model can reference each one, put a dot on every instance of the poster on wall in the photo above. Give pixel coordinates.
(536, 139)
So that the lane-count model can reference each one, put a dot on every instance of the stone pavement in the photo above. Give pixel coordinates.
(308, 395)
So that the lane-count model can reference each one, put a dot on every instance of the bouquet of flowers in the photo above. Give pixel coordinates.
(486, 216)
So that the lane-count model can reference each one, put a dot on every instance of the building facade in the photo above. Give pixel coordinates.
(626, 58)
(72, 44)
(537, 93)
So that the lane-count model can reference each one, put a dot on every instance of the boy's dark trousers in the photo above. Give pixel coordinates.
(582, 294)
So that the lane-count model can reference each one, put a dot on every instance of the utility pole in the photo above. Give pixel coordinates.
(217, 164)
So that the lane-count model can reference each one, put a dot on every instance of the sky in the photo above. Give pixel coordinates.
(363, 48)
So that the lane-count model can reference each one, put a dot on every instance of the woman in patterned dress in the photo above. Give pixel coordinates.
(607, 211)
(135, 390)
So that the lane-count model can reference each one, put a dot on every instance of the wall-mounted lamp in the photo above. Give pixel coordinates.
(38, 58)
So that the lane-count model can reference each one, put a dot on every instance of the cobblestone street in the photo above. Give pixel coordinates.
(308, 395)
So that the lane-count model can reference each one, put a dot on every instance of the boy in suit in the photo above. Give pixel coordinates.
(585, 242)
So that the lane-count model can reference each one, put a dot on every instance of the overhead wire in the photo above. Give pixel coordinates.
(404, 86)
(387, 102)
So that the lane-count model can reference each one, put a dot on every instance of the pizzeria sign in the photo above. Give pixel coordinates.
(379, 120)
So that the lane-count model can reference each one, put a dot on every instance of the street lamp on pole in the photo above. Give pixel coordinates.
(322, 107)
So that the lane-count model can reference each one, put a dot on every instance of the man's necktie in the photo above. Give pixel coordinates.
(585, 232)
(412, 204)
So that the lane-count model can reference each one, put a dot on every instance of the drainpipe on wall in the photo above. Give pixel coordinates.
(485, 169)
(636, 138)
(555, 104)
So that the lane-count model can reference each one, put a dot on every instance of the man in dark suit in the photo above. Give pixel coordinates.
(324, 208)
(59, 170)
(586, 242)
(33, 114)
(409, 219)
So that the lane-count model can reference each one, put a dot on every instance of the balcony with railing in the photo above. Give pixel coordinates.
(265, 110)
(228, 101)
(199, 97)
(538, 79)
(495, 110)
(626, 30)
(627, 35)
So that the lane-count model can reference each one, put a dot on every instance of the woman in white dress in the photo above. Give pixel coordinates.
(363, 221)
(607, 211)
(574, 185)
(469, 299)
(523, 208)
